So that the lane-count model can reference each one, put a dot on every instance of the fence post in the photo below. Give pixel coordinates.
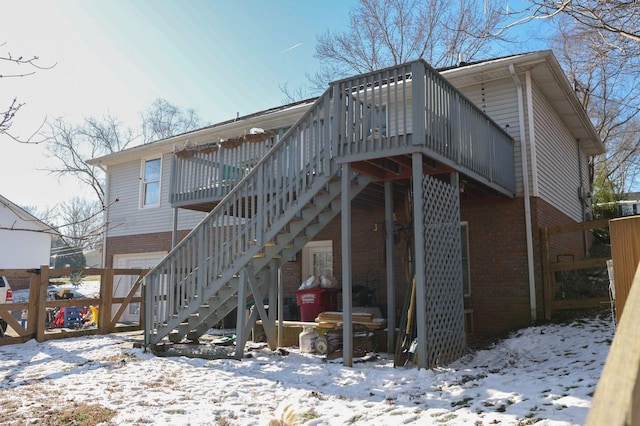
(34, 303)
(41, 311)
(106, 296)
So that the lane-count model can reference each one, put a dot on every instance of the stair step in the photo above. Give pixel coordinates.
(255, 256)
(221, 298)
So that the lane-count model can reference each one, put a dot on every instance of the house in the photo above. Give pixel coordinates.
(402, 181)
(628, 205)
(25, 240)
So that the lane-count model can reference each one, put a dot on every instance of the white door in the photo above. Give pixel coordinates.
(123, 283)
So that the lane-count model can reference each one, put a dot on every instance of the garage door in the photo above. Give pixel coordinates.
(123, 284)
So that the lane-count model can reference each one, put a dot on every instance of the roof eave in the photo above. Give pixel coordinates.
(202, 135)
(584, 132)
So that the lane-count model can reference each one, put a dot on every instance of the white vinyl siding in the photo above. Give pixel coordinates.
(499, 100)
(126, 218)
(558, 160)
(27, 249)
(397, 118)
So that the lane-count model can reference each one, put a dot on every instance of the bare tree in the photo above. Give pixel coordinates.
(82, 221)
(163, 119)
(46, 215)
(617, 22)
(294, 94)
(382, 33)
(73, 145)
(607, 82)
(18, 70)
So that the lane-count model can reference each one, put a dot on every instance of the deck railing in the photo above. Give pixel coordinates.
(397, 109)
(208, 172)
(389, 112)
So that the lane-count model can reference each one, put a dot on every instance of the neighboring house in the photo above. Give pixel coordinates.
(447, 196)
(628, 205)
(25, 240)
(93, 258)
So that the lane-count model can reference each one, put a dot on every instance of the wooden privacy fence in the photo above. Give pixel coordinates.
(625, 252)
(563, 251)
(616, 401)
(38, 305)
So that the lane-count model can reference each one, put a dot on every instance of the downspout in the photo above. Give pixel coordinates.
(532, 137)
(583, 203)
(527, 201)
(105, 218)
(174, 229)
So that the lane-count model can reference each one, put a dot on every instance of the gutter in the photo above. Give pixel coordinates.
(527, 201)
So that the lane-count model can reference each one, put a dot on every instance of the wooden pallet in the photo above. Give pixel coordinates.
(330, 319)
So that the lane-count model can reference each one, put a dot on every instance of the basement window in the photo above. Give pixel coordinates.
(317, 259)
(150, 188)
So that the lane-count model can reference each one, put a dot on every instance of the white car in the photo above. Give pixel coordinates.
(6, 296)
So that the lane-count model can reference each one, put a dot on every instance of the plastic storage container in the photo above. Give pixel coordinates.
(314, 301)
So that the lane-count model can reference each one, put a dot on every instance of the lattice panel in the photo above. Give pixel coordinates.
(443, 260)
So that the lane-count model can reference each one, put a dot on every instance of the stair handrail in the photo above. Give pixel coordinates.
(295, 159)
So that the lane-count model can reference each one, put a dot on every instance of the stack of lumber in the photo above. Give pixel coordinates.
(330, 319)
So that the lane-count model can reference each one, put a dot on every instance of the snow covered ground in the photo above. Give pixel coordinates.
(544, 375)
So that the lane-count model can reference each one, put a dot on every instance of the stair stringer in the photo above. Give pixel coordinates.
(287, 245)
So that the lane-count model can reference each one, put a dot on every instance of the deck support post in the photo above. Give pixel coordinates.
(419, 258)
(391, 288)
(280, 285)
(272, 296)
(174, 229)
(347, 319)
(240, 318)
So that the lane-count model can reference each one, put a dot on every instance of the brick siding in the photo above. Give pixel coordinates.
(498, 256)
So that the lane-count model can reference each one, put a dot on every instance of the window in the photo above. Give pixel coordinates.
(150, 196)
(376, 121)
(464, 238)
(317, 259)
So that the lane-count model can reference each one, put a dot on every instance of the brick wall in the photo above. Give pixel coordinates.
(498, 256)
(367, 248)
(498, 262)
(561, 246)
(498, 259)
(143, 243)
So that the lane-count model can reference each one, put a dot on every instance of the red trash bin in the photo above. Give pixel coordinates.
(313, 301)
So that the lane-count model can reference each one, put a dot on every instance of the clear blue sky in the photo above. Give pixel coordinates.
(217, 57)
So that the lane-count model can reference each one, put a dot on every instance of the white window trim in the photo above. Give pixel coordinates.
(141, 191)
(307, 255)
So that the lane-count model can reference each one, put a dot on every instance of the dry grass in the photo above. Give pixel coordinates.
(81, 414)
(73, 414)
